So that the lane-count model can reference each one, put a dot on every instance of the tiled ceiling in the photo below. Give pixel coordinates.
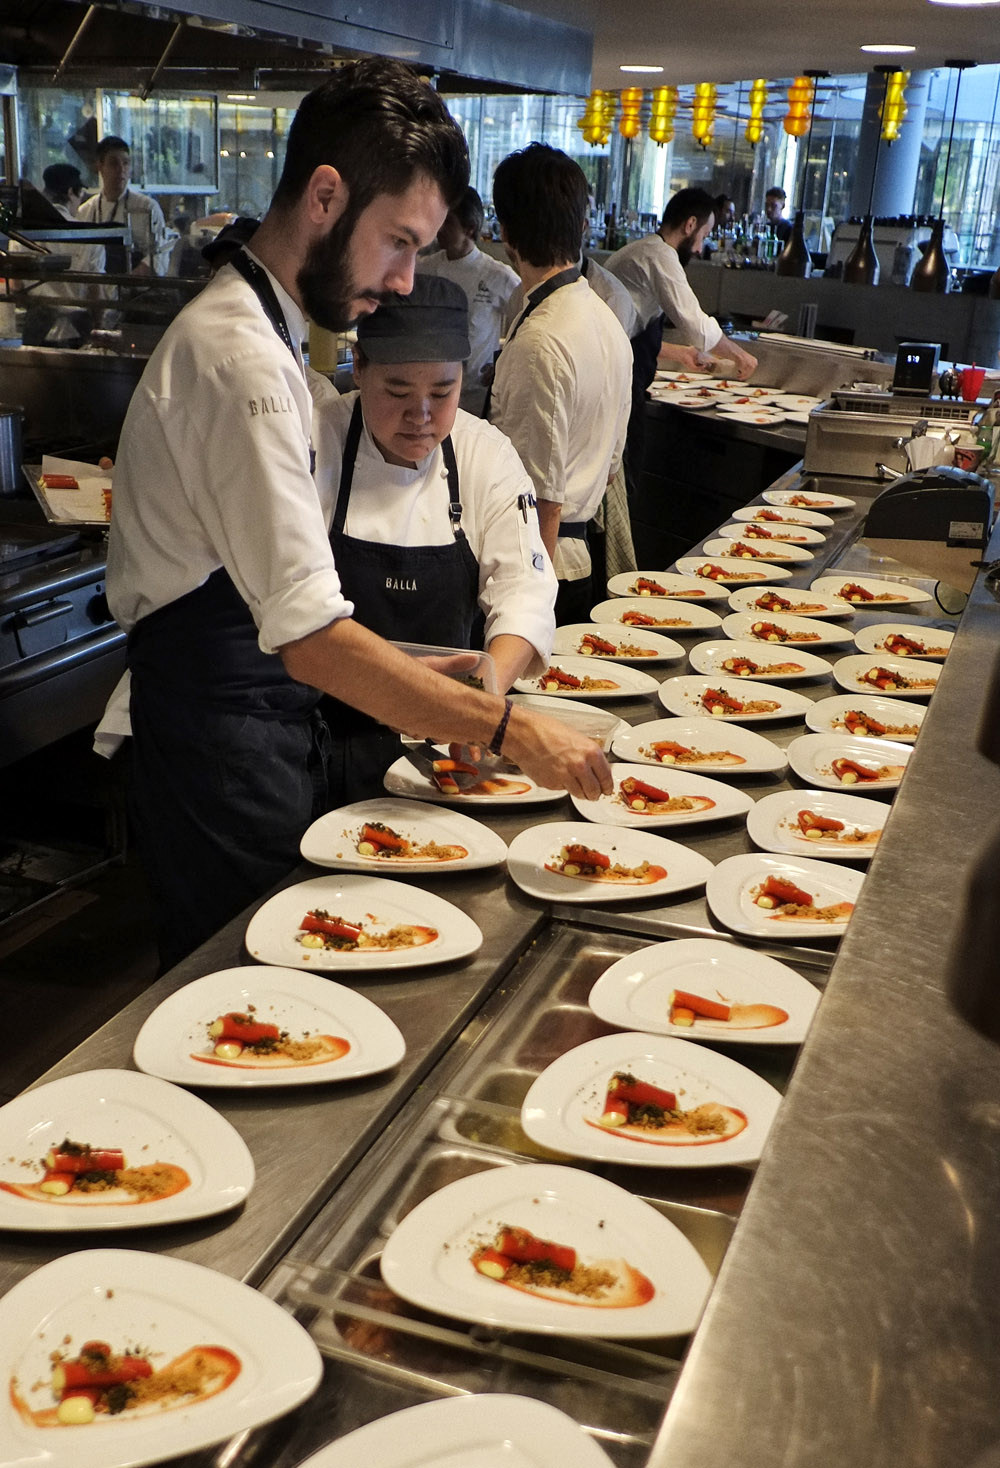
(730, 40)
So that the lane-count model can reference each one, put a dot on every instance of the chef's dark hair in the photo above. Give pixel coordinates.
(541, 199)
(61, 180)
(380, 126)
(469, 212)
(687, 204)
(111, 144)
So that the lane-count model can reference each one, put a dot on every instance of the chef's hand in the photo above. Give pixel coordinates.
(745, 364)
(556, 756)
(687, 358)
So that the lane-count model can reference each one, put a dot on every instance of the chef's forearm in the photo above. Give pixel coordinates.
(346, 660)
(512, 655)
(549, 513)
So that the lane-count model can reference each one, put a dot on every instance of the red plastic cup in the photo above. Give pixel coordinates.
(971, 380)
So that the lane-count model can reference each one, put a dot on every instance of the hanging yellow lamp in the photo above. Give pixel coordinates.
(758, 100)
(662, 113)
(630, 122)
(800, 99)
(595, 124)
(893, 109)
(703, 112)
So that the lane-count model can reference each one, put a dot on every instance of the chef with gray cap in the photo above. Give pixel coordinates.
(434, 528)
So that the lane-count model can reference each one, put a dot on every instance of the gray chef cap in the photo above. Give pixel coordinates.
(431, 324)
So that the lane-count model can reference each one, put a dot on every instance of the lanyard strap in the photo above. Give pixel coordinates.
(538, 295)
(259, 282)
(350, 458)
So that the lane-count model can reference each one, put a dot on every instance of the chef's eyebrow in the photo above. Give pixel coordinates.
(438, 382)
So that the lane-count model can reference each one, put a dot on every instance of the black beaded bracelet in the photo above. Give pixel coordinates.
(496, 743)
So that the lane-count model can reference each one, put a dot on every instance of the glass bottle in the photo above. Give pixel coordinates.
(931, 273)
(794, 258)
(861, 266)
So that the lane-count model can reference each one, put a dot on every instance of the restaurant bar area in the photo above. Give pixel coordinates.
(652, 1124)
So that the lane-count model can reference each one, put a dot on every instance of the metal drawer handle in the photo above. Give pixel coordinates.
(35, 616)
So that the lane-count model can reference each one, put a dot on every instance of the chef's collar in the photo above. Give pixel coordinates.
(295, 318)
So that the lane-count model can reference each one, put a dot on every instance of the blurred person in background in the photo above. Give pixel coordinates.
(116, 202)
(774, 213)
(488, 285)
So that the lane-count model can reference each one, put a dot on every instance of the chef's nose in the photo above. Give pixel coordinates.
(400, 277)
(421, 410)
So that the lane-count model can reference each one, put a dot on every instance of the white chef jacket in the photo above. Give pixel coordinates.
(488, 285)
(213, 470)
(654, 275)
(150, 231)
(562, 395)
(409, 506)
(603, 283)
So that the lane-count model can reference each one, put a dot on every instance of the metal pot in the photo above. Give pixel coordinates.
(10, 449)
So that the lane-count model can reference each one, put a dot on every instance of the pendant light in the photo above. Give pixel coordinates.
(861, 266)
(794, 258)
(930, 275)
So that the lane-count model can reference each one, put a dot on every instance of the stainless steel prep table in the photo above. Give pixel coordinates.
(334, 1128)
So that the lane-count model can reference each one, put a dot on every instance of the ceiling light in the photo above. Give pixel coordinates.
(238, 97)
(640, 66)
(965, 2)
(892, 48)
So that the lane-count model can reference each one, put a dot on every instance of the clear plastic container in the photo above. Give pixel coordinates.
(465, 665)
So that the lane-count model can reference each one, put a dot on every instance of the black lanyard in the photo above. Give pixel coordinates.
(259, 282)
(538, 295)
(350, 458)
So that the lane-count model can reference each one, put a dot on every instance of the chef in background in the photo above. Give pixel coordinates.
(434, 530)
(116, 202)
(562, 384)
(488, 285)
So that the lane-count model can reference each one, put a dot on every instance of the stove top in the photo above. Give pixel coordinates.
(27, 545)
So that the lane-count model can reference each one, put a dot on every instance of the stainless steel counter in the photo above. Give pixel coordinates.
(311, 1226)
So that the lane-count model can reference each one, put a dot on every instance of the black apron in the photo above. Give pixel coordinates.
(229, 751)
(422, 593)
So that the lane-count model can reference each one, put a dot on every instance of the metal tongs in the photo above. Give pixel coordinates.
(450, 776)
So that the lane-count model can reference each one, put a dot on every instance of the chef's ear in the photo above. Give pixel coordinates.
(326, 195)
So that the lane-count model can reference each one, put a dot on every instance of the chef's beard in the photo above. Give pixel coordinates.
(326, 283)
(684, 252)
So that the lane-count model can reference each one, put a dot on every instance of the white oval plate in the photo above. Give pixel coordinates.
(681, 588)
(771, 553)
(563, 1107)
(628, 681)
(803, 603)
(792, 517)
(935, 642)
(531, 849)
(674, 621)
(710, 658)
(757, 755)
(687, 399)
(611, 810)
(659, 649)
(682, 374)
(811, 756)
(427, 1258)
(807, 632)
(762, 413)
(776, 534)
(734, 572)
(149, 1120)
(849, 675)
(635, 992)
(175, 1032)
(827, 716)
(374, 901)
(167, 1305)
(405, 779)
(682, 696)
(491, 1430)
(896, 593)
(773, 823)
(733, 880)
(798, 402)
(332, 841)
(809, 500)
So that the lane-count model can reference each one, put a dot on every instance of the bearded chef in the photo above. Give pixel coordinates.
(434, 528)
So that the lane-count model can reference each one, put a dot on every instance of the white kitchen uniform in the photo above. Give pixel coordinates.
(602, 283)
(219, 474)
(488, 285)
(392, 505)
(150, 232)
(561, 395)
(652, 272)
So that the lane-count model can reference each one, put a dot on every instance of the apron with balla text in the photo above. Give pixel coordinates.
(422, 593)
(230, 763)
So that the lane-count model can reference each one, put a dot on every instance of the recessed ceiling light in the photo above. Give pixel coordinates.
(965, 2)
(889, 48)
(640, 66)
